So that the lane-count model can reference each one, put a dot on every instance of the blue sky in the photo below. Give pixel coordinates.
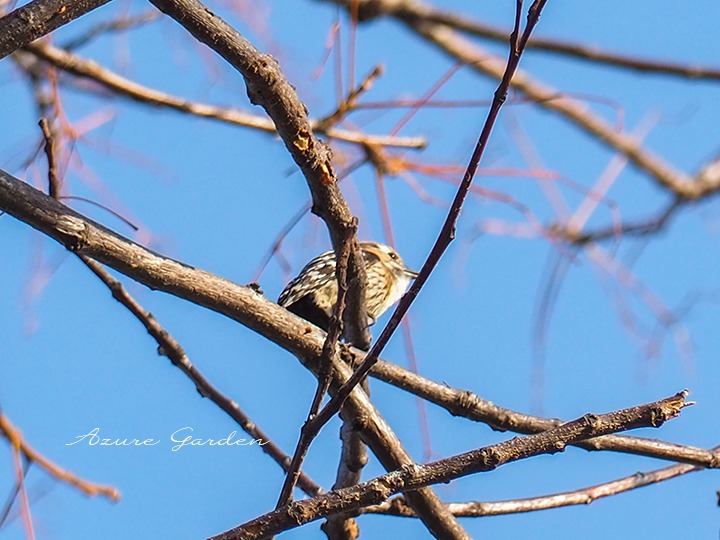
(216, 196)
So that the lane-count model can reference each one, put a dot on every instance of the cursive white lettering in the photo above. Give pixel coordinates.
(92, 438)
(188, 440)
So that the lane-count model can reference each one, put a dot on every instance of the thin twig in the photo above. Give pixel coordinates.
(170, 348)
(121, 86)
(90, 489)
(53, 182)
(447, 233)
(350, 102)
(293, 221)
(325, 374)
(8, 506)
(642, 227)
(398, 507)
(108, 27)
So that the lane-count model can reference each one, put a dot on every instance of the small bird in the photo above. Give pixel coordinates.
(313, 293)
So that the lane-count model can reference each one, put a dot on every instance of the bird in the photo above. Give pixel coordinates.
(312, 295)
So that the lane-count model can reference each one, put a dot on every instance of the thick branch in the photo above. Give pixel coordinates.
(268, 87)
(445, 470)
(588, 495)
(242, 304)
(38, 18)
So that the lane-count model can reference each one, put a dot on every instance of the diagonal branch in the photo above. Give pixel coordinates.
(62, 475)
(458, 47)
(447, 232)
(572, 50)
(466, 404)
(445, 470)
(242, 304)
(38, 18)
(588, 495)
(168, 346)
(325, 375)
(268, 87)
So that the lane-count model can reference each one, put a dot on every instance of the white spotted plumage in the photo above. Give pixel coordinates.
(313, 293)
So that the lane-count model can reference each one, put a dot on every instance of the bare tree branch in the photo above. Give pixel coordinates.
(121, 86)
(325, 375)
(12, 434)
(168, 346)
(267, 86)
(397, 506)
(118, 25)
(242, 304)
(352, 461)
(38, 18)
(445, 470)
(469, 405)
(462, 22)
(447, 232)
(460, 48)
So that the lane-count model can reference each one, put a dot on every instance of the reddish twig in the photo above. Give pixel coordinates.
(90, 489)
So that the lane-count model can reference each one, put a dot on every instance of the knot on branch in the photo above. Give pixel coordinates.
(384, 486)
(491, 458)
(591, 421)
(266, 67)
(299, 512)
(73, 231)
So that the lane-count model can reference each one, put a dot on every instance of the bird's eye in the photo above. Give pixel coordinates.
(393, 255)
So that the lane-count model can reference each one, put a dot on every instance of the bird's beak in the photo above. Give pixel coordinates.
(412, 273)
